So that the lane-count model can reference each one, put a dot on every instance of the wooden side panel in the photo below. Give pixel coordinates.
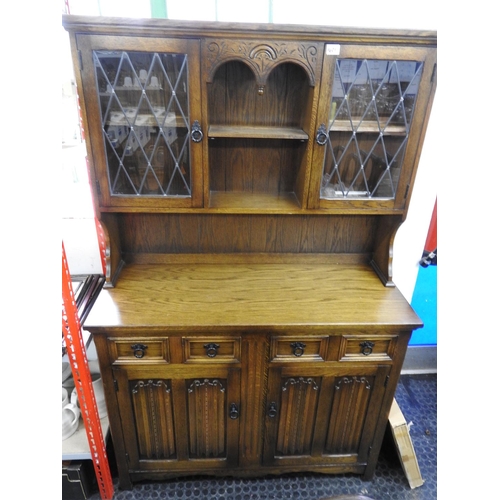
(152, 404)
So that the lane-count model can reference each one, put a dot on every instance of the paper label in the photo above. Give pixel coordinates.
(332, 49)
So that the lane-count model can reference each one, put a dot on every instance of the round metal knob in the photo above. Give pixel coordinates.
(366, 347)
(139, 350)
(196, 133)
(273, 410)
(298, 348)
(321, 135)
(211, 349)
(233, 412)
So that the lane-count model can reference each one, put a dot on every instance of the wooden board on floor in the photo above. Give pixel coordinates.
(404, 445)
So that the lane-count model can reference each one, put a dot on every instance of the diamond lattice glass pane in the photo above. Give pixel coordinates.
(370, 117)
(145, 122)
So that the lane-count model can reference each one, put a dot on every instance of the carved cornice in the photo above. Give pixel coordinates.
(262, 58)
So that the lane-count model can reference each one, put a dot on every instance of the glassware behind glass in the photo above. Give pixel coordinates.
(145, 122)
(371, 110)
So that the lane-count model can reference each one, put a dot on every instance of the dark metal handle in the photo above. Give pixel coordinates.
(273, 410)
(298, 348)
(366, 347)
(321, 135)
(139, 350)
(196, 133)
(211, 349)
(233, 411)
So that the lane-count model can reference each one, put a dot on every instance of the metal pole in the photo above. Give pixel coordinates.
(83, 382)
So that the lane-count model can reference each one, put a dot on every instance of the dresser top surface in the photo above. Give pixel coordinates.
(249, 295)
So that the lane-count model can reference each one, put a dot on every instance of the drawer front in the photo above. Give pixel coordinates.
(367, 348)
(299, 349)
(212, 349)
(139, 350)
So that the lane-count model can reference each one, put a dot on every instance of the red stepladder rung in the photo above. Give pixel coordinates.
(83, 383)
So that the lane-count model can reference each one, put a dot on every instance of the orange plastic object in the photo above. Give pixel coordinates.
(83, 382)
(431, 241)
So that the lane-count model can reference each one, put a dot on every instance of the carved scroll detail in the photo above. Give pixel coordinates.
(212, 383)
(350, 380)
(300, 380)
(262, 58)
(149, 385)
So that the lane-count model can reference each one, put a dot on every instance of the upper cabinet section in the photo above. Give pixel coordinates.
(143, 108)
(373, 107)
(225, 118)
(259, 97)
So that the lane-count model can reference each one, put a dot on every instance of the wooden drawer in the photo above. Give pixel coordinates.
(299, 348)
(212, 349)
(139, 350)
(367, 347)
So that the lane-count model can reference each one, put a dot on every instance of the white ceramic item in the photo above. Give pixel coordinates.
(66, 370)
(98, 394)
(65, 397)
(70, 420)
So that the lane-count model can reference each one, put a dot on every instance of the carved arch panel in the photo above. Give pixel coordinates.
(349, 411)
(207, 418)
(299, 401)
(235, 98)
(261, 57)
(153, 414)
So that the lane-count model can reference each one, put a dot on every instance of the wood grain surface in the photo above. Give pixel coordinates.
(253, 295)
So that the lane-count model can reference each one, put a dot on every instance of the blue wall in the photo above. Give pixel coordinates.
(424, 301)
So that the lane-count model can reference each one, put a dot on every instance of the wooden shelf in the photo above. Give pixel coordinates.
(245, 202)
(76, 447)
(146, 120)
(251, 296)
(368, 126)
(259, 132)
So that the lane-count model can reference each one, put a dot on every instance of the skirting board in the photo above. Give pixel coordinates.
(420, 359)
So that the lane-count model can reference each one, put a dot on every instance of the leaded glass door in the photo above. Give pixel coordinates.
(370, 100)
(145, 121)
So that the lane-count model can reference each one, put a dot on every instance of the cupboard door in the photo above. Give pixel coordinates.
(170, 422)
(374, 106)
(319, 417)
(142, 100)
